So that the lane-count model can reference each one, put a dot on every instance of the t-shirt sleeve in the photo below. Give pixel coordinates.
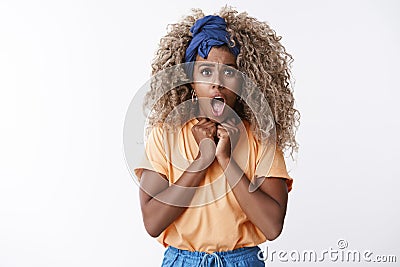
(276, 168)
(153, 155)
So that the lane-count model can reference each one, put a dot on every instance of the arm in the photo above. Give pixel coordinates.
(162, 203)
(266, 206)
(155, 196)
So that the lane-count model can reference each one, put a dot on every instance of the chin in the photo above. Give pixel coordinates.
(219, 119)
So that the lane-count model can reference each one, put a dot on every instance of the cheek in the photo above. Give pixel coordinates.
(201, 89)
(234, 85)
(234, 91)
(231, 100)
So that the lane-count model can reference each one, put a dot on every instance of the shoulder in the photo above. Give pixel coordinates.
(164, 133)
(247, 130)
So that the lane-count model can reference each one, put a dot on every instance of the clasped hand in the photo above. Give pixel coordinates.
(224, 135)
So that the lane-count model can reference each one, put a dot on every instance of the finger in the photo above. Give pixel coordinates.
(202, 121)
(213, 131)
(231, 121)
(234, 121)
(222, 135)
(221, 132)
(208, 124)
(209, 128)
(206, 127)
(230, 126)
(227, 127)
(230, 131)
(221, 128)
(214, 121)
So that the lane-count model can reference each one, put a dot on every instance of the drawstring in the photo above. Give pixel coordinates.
(216, 258)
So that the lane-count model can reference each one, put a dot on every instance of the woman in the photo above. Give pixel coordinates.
(222, 136)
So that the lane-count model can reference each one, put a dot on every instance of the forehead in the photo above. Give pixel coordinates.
(220, 55)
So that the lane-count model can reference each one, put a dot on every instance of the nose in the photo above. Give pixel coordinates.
(217, 83)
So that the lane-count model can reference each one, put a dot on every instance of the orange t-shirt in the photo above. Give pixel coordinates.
(215, 221)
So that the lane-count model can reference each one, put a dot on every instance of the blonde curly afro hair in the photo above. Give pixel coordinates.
(262, 58)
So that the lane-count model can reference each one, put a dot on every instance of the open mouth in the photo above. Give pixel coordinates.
(217, 106)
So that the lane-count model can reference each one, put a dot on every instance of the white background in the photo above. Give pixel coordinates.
(69, 69)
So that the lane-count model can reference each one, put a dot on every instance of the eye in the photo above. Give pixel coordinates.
(229, 72)
(206, 72)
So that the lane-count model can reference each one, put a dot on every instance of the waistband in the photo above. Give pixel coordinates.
(219, 257)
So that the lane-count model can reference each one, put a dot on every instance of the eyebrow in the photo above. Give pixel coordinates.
(213, 65)
(206, 65)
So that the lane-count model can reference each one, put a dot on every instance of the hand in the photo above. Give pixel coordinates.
(204, 132)
(228, 134)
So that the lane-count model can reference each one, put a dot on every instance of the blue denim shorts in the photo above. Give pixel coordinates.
(241, 257)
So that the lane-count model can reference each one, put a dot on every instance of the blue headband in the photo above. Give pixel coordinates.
(207, 32)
